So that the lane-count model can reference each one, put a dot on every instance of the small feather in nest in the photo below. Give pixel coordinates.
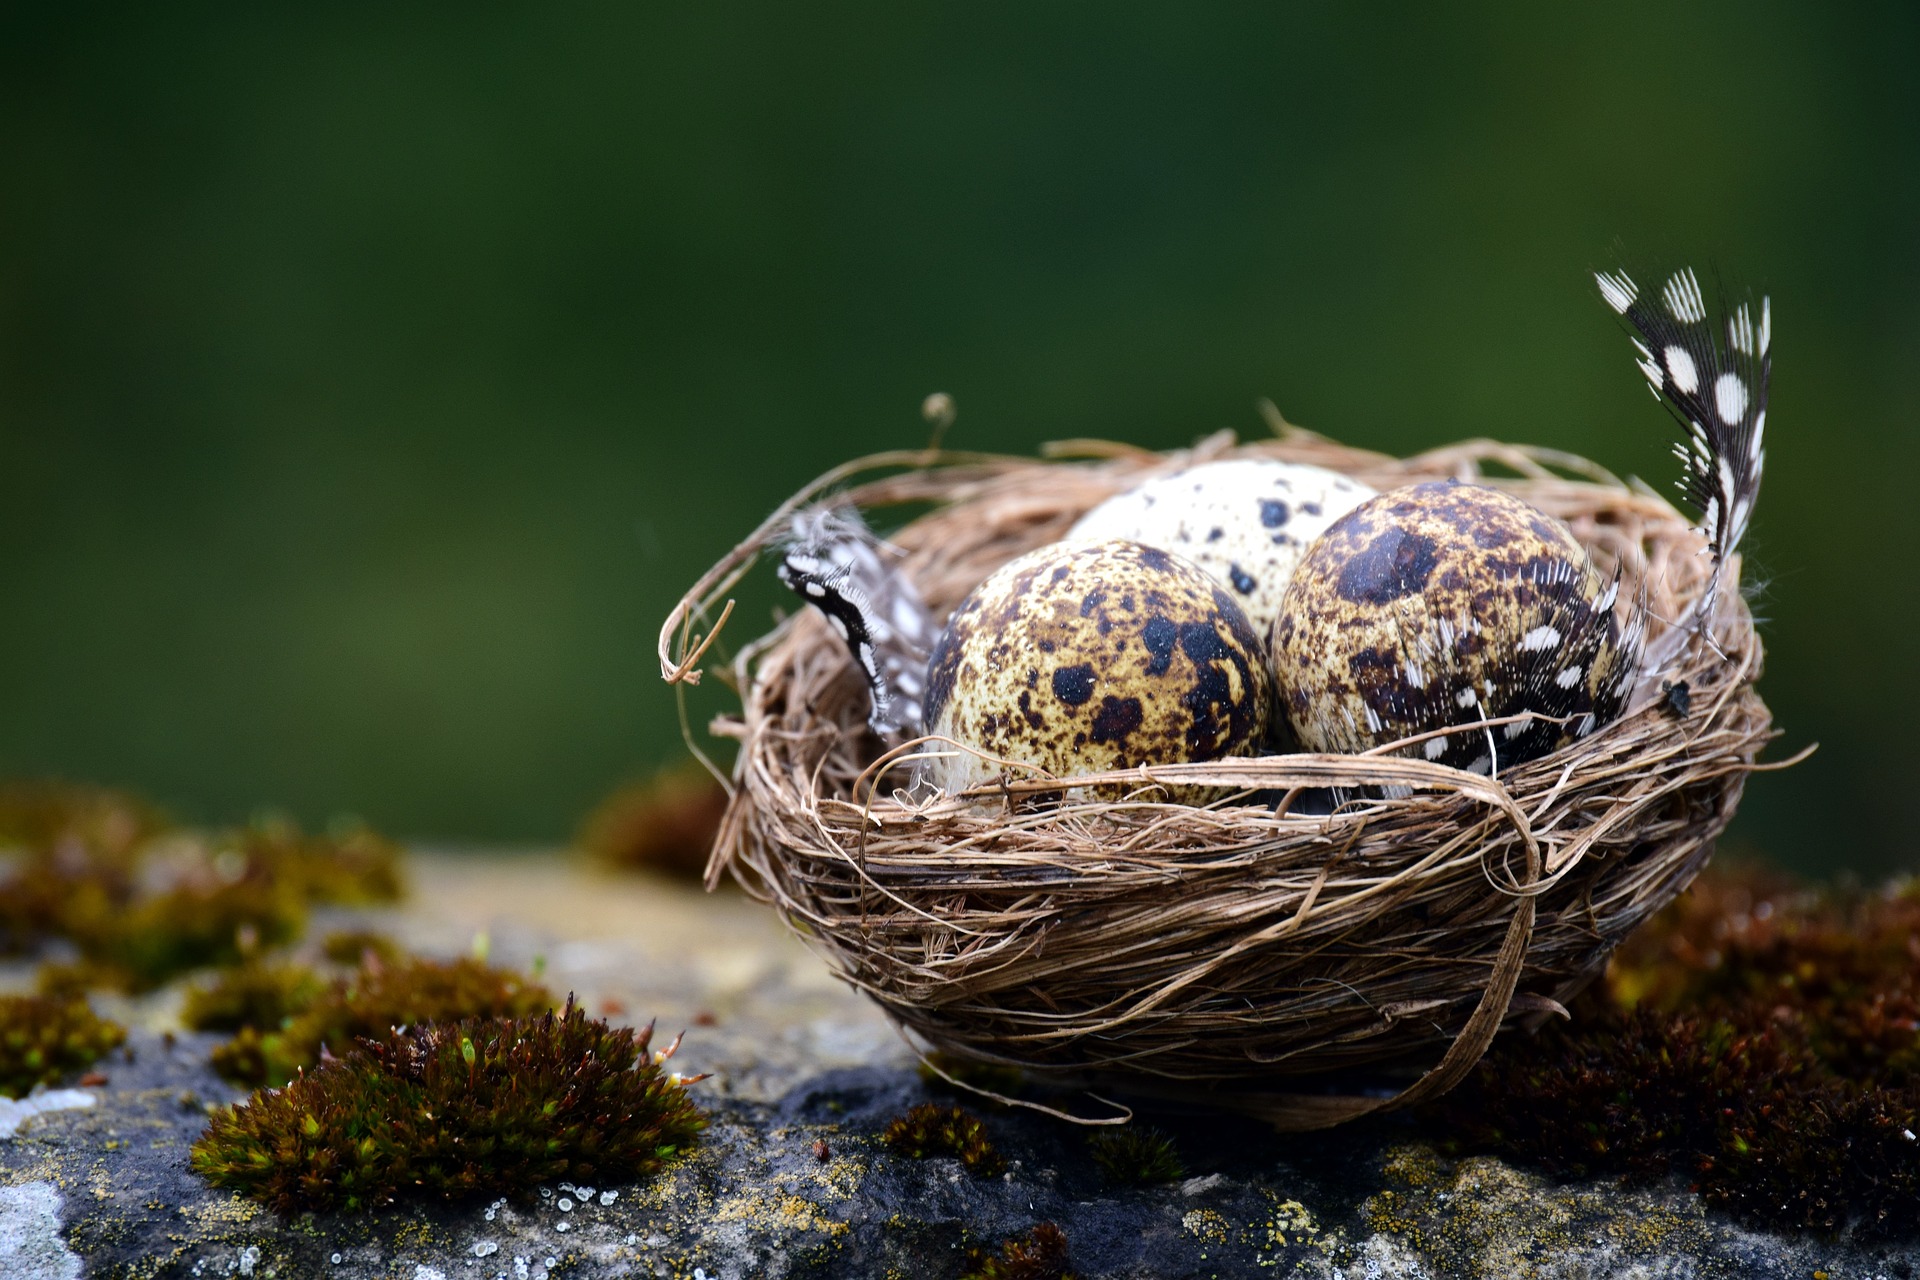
(833, 561)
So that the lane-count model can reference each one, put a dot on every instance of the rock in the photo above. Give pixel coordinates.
(15, 1112)
(800, 1061)
(30, 1239)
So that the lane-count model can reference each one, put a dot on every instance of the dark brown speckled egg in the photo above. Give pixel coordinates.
(1446, 604)
(1085, 657)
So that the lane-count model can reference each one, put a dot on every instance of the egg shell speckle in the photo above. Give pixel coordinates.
(1246, 521)
(1081, 658)
(1443, 604)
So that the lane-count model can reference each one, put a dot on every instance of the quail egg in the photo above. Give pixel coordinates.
(1447, 604)
(1246, 521)
(1085, 657)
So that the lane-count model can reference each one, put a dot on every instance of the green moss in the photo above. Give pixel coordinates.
(350, 947)
(1135, 1156)
(34, 898)
(78, 850)
(83, 874)
(350, 865)
(48, 817)
(372, 1001)
(665, 823)
(259, 994)
(44, 1039)
(480, 1107)
(246, 1060)
(930, 1130)
(73, 980)
(1041, 1254)
(201, 922)
(1759, 1038)
(136, 941)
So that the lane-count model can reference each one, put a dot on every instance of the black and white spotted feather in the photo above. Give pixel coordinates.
(1712, 377)
(835, 563)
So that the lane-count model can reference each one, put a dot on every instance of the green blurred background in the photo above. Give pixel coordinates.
(371, 383)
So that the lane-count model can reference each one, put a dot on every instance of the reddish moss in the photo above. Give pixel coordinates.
(1041, 1254)
(479, 1107)
(930, 1130)
(1821, 1155)
(43, 1040)
(666, 823)
(1758, 1037)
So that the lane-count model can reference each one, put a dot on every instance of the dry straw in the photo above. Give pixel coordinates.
(1226, 953)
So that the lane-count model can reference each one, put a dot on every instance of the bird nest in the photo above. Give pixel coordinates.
(1245, 951)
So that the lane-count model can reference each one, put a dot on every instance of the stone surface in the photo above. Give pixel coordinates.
(799, 1060)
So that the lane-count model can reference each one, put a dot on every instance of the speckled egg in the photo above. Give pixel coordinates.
(1446, 604)
(1246, 521)
(1084, 657)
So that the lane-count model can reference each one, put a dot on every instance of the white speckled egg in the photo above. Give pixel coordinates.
(1445, 604)
(1085, 657)
(1246, 521)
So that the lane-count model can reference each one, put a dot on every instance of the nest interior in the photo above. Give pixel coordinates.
(1230, 949)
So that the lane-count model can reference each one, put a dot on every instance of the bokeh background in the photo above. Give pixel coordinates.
(372, 382)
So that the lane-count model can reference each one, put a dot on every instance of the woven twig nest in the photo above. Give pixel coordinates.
(1226, 948)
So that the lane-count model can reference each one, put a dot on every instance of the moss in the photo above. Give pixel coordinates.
(246, 1060)
(351, 947)
(32, 901)
(45, 1039)
(85, 873)
(372, 1001)
(350, 865)
(136, 942)
(78, 851)
(665, 823)
(1758, 1037)
(1750, 943)
(930, 1130)
(48, 817)
(72, 980)
(1822, 1155)
(484, 1106)
(259, 994)
(1041, 1254)
(201, 922)
(1134, 1156)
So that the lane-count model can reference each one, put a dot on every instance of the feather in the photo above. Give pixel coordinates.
(834, 562)
(1712, 377)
